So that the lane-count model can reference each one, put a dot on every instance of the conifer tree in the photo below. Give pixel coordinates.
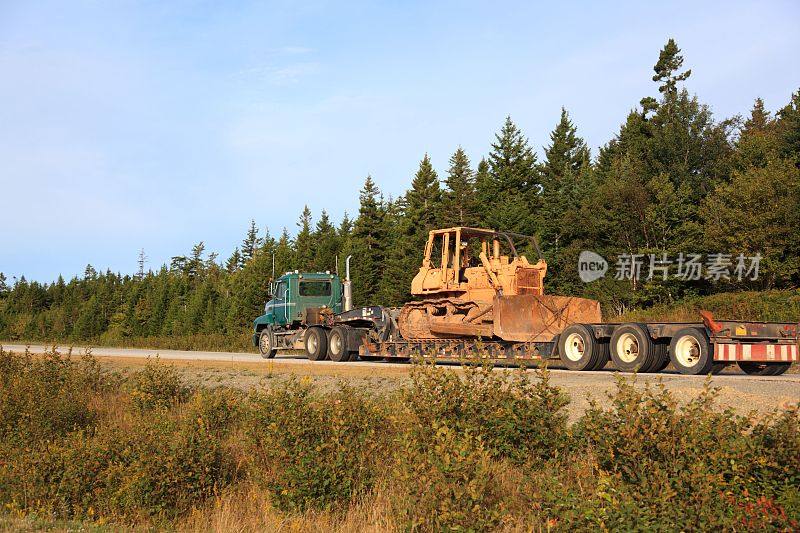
(514, 182)
(459, 198)
(566, 160)
(304, 242)
(759, 119)
(399, 269)
(232, 264)
(250, 244)
(4, 290)
(759, 141)
(344, 235)
(326, 244)
(368, 243)
(284, 254)
(484, 192)
(670, 61)
(789, 129)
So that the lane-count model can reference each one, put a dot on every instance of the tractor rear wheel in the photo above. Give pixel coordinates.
(337, 345)
(316, 343)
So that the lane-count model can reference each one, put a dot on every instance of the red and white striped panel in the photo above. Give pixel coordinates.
(755, 352)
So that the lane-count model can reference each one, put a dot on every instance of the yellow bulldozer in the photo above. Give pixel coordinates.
(473, 283)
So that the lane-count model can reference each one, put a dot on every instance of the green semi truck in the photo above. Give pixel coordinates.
(312, 311)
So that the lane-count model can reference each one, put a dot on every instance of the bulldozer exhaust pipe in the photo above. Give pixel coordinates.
(347, 288)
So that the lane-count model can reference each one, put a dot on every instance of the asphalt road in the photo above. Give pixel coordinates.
(181, 355)
(736, 390)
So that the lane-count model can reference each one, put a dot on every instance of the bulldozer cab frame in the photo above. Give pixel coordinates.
(461, 259)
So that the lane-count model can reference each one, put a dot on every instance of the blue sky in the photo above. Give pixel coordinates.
(155, 125)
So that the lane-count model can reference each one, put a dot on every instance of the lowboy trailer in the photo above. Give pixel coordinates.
(758, 348)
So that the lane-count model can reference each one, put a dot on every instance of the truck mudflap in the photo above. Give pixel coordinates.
(761, 353)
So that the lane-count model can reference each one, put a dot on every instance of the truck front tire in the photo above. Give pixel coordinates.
(316, 343)
(266, 344)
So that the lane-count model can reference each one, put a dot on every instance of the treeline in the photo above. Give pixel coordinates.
(674, 180)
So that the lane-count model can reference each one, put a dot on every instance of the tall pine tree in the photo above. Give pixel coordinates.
(513, 189)
(304, 242)
(368, 244)
(460, 207)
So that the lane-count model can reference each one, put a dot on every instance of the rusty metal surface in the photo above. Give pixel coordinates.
(458, 349)
(460, 328)
(534, 318)
(415, 318)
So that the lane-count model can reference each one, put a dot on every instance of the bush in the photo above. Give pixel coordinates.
(515, 417)
(157, 386)
(157, 466)
(694, 467)
(317, 450)
(44, 397)
(447, 483)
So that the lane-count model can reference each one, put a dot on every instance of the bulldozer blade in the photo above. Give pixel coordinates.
(532, 318)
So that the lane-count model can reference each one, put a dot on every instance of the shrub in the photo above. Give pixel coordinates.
(44, 397)
(447, 483)
(157, 466)
(694, 467)
(157, 386)
(515, 417)
(221, 410)
(316, 450)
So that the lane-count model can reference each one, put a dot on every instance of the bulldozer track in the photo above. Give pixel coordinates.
(414, 318)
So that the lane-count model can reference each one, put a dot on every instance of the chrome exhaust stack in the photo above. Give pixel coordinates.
(347, 287)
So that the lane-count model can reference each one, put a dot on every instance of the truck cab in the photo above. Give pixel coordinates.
(296, 296)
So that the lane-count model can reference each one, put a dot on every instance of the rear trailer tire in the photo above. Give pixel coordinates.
(717, 368)
(579, 350)
(604, 356)
(266, 344)
(632, 349)
(337, 345)
(316, 343)
(690, 352)
(662, 356)
(754, 368)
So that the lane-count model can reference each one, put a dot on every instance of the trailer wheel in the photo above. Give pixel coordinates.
(578, 349)
(754, 368)
(717, 368)
(604, 356)
(316, 344)
(662, 357)
(690, 352)
(632, 349)
(266, 344)
(337, 345)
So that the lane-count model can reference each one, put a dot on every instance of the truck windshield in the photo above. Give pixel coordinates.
(315, 288)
